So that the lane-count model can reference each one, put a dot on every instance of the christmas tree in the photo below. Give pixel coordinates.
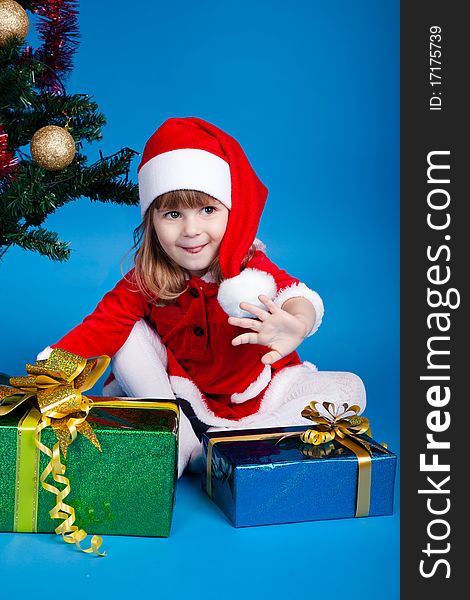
(43, 129)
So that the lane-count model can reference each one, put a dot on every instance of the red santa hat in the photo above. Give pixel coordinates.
(189, 153)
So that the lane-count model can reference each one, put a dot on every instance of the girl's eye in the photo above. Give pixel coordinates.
(208, 210)
(173, 214)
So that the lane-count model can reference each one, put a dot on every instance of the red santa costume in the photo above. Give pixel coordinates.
(184, 349)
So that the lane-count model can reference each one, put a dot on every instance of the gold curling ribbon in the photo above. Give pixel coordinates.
(340, 422)
(57, 384)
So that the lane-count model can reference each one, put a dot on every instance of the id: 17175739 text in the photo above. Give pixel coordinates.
(435, 67)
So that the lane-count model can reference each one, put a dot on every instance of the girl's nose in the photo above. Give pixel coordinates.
(191, 227)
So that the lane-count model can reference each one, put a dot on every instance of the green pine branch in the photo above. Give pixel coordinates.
(84, 124)
(35, 193)
(38, 240)
(17, 77)
(107, 181)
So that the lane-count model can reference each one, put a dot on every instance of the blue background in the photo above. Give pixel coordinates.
(311, 91)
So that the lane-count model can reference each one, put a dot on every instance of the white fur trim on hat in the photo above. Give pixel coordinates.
(245, 287)
(300, 290)
(185, 169)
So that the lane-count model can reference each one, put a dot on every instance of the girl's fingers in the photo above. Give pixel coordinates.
(268, 303)
(260, 313)
(271, 357)
(245, 338)
(244, 322)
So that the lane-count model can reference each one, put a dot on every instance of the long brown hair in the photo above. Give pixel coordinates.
(156, 275)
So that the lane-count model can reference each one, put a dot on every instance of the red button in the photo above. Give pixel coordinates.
(198, 331)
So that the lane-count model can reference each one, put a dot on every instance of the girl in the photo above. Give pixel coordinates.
(204, 315)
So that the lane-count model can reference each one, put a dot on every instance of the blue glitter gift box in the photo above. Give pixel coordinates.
(262, 477)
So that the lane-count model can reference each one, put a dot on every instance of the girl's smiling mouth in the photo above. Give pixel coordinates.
(194, 249)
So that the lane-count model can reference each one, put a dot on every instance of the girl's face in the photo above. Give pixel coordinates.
(192, 236)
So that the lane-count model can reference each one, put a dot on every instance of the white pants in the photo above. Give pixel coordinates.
(140, 371)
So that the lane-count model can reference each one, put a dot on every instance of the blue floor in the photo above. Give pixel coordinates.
(206, 557)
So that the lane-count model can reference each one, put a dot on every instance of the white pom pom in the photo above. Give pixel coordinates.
(245, 287)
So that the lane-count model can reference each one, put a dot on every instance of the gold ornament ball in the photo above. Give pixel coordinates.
(52, 148)
(14, 22)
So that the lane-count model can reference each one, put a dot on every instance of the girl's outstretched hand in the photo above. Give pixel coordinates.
(275, 328)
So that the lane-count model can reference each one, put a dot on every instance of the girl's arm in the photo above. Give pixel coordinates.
(303, 310)
(106, 329)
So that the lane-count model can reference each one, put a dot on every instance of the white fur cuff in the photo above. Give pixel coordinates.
(300, 290)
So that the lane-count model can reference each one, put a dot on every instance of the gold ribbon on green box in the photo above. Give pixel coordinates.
(331, 422)
(57, 385)
(52, 395)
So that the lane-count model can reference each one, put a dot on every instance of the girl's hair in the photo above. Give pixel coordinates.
(156, 275)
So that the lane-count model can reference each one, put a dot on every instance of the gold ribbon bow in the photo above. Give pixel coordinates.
(57, 384)
(342, 423)
(335, 421)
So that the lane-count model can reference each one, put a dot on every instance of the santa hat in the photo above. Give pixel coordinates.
(191, 154)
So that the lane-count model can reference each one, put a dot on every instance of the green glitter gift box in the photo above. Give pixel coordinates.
(128, 488)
